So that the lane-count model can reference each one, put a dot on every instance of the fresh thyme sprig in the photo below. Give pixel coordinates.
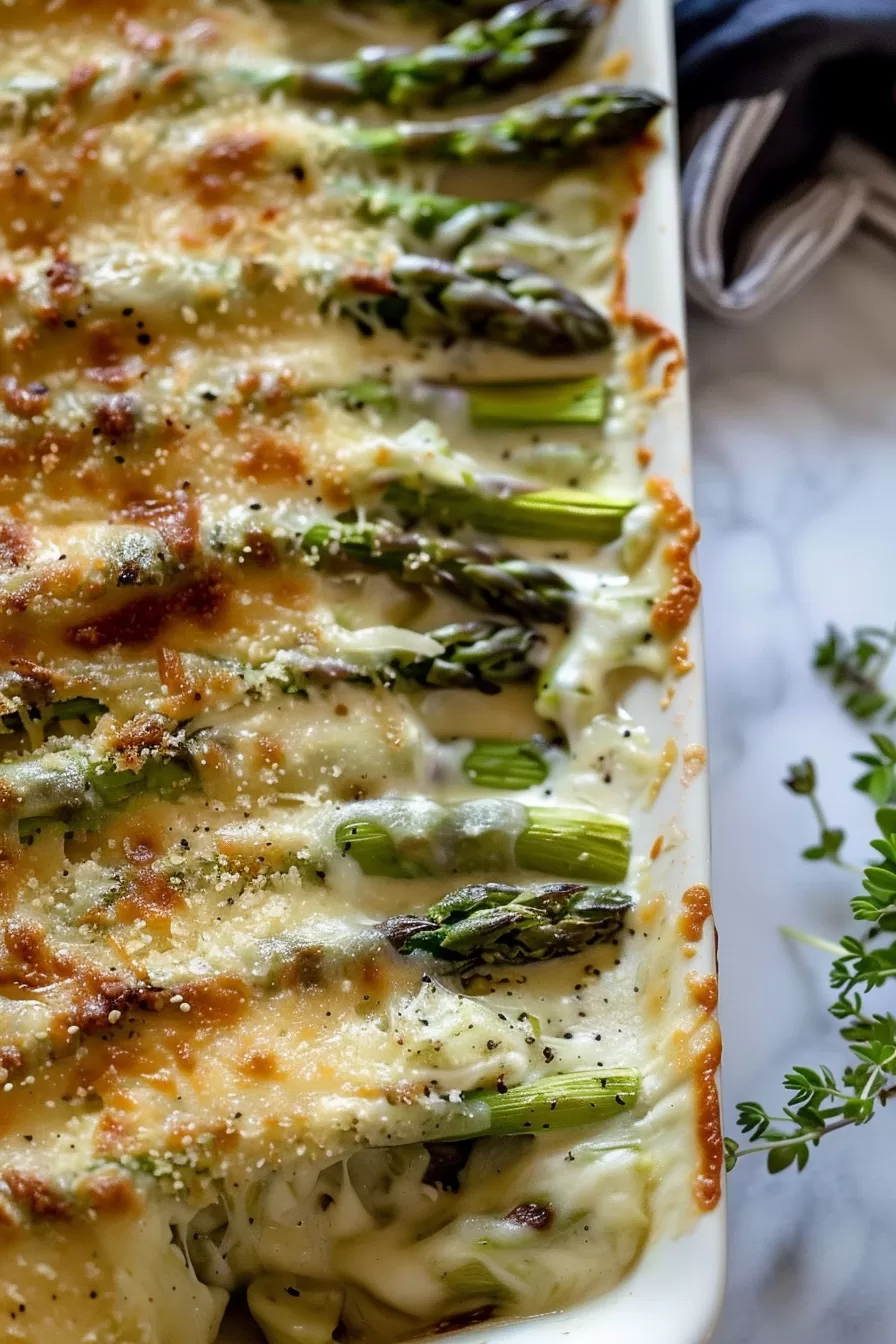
(879, 779)
(820, 1103)
(856, 668)
(802, 779)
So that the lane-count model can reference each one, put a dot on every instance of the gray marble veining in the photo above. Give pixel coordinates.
(795, 441)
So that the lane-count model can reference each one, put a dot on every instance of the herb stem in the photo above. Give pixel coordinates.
(823, 944)
(819, 1101)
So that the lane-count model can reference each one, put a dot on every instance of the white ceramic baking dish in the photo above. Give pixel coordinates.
(675, 1292)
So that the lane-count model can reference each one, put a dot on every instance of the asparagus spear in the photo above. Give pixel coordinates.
(566, 126)
(578, 402)
(499, 763)
(556, 127)
(475, 655)
(30, 690)
(401, 838)
(505, 303)
(81, 709)
(472, 655)
(114, 556)
(73, 786)
(562, 127)
(561, 1101)
(146, 415)
(449, 9)
(407, 838)
(486, 925)
(563, 515)
(387, 837)
(479, 575)
(446, 223)
(524, 42)
(36, 415)
(495, 923)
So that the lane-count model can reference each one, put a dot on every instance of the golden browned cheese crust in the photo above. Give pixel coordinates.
(217, 1073)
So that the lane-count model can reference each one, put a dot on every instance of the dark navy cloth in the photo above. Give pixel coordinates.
(839, 54)
(835, 60)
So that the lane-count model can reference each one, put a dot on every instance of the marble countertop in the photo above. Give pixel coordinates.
(795, 442)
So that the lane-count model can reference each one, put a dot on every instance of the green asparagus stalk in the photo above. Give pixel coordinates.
(497, 924)
(473, 655)
(526, 41)
(562, 1101)
(479, 575)
(21, 700)
(129, 556)
(450, 10)
(75, 787)
(557, 127)
(488, 925)
(505, 303)
(582, 401)
(498, 763)
(566, 126)
(551, 515)
(446, 223)
(38, 415)
(79, 783)
(405, 839)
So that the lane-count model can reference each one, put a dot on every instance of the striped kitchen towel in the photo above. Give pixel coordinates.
(788, 111)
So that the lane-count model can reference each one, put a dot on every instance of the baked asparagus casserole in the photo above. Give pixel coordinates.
(335, 1001)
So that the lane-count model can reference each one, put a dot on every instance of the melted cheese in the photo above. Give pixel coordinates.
(216, 1073)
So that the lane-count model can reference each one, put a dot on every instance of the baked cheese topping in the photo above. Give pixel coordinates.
(334, 1001)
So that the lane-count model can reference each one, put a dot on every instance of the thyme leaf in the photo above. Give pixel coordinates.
(818, 1101)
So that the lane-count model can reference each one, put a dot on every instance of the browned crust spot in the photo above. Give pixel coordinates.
(706, 1055)
(151, 896)
(696, 909)
(116, 417)
(704, 991)
(142, 621)
(27, 960)
(112, 1192)
(673, 611)
(37, 1195)
(10, 1058)
(270, 460)
(39, 683)
(257, 1065)
(24, 401)
(15, 543)
(710, 1139)
(657, 343)
(144, 733)
(175, 518)
(225, 165)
